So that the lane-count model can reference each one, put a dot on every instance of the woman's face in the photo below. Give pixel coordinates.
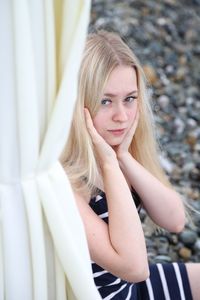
(118, 105)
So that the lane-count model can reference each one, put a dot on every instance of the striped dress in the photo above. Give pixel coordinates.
(166, 281)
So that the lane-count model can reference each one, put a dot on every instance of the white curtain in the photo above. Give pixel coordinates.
(43, 249)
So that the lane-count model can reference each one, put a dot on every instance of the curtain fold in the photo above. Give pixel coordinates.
(43, 248)
(1, 257)
(14, 229)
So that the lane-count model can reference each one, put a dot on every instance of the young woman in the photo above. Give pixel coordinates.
(112, 162)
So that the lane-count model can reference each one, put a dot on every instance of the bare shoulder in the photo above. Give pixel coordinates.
(101, 249)
(82, 197)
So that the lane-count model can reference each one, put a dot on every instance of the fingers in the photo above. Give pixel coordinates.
(88, 119)
(90, 127)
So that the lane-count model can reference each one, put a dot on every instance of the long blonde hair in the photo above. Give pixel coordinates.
(103, 52)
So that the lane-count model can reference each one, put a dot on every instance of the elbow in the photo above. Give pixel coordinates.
(179, 219)
(141, 275)
(138, 274)
(179, 225)
(177, 222)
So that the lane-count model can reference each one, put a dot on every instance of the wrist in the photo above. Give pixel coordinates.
(108, 166)
(123, 155)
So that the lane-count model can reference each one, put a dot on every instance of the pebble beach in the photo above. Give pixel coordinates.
(165, 35)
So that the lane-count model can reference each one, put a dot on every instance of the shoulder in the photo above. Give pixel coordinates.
(83, 196)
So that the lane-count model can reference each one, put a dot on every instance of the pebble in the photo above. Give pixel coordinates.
(162, 258)
(185, 253)
(188, 237)
(163, 101)
(197, 245)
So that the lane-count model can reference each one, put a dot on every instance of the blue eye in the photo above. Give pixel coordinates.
(130, 99)
(105, 101)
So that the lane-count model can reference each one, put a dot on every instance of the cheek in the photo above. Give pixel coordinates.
(98, 122)
(132, 112)
(132, 115)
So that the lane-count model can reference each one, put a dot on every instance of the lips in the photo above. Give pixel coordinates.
(117, 132)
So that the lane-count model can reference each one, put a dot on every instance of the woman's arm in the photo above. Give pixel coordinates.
(118, 247)
(163, 204)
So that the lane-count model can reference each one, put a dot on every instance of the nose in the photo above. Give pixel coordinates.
(120, 114)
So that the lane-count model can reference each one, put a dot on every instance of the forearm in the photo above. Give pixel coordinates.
(125, 230)
(162, 203)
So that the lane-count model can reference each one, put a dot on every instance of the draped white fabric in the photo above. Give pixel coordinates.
(43, 249)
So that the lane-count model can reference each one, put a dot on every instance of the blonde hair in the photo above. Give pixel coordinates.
(103, 52)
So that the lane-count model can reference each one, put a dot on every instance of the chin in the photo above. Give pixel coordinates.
(113, 144)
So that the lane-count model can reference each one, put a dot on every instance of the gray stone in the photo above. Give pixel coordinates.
(197, 245)
(162, 258)
(188, 237)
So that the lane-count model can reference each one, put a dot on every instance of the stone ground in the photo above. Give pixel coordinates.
(165, 35)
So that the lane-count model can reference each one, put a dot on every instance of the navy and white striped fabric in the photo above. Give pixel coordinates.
(166, 281)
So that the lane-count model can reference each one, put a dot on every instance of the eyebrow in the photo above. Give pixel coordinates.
(114, 95)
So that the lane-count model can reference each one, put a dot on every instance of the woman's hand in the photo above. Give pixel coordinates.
(104, 151)
(124, 146)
